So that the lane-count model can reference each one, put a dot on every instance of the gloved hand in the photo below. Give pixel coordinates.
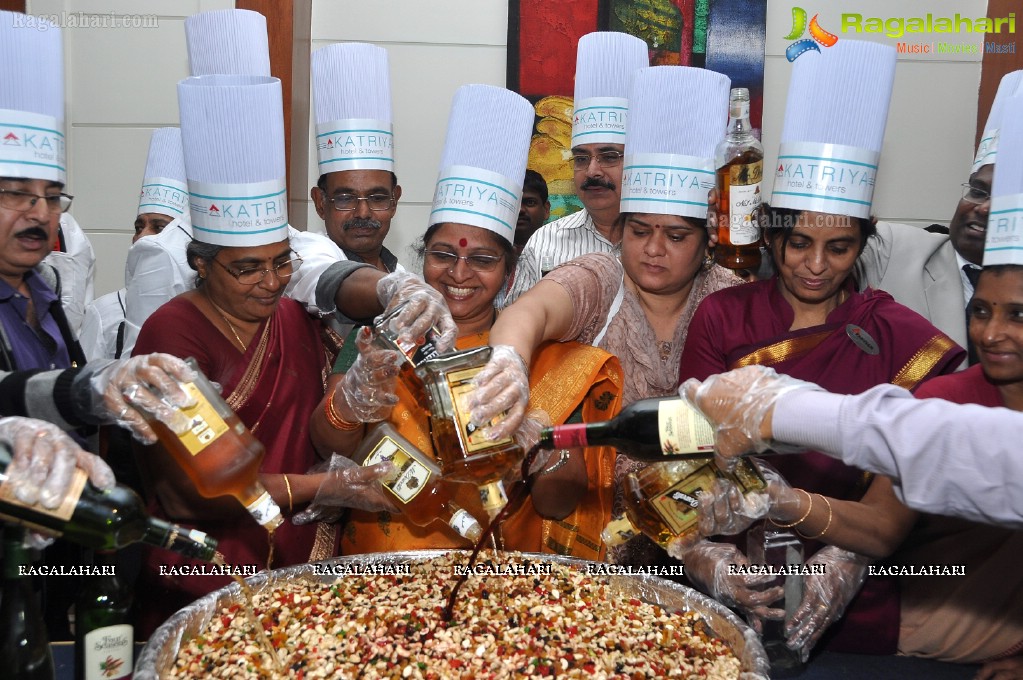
(736, 403)
(527, 436)
(502, 386)
(825, 596)
(724, 509)
(119, 390)
(44, 459)
(426, 309)
(368, 386)
(347, 485)
(708, 566)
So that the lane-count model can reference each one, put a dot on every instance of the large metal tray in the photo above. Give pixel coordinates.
(162, 648)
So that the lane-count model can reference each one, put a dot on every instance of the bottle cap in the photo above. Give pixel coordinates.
(619, 530)
(265, 511)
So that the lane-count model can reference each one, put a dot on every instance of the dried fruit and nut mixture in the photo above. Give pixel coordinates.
(566, 624)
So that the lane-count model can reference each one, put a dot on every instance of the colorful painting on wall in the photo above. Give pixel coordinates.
(724, 35)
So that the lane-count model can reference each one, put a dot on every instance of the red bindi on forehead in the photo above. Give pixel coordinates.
(463, 242)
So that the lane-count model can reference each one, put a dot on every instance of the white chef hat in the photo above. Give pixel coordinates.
(677, 116)
(605, 64)
(32, 143)
(165, 184)
(227, 41)
(484, 160)
(352, 91)
(987, 149)
(232, 132)
(834, 126)
(1003, 241)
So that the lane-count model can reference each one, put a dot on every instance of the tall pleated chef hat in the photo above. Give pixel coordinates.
(32, 143)
(1003, 241)
(228, 42)
(165, 184)
(604, 67)
(484, 160)
(232, 132)
(835, 117)
(677, 116)
(987, 149)
(352, 92)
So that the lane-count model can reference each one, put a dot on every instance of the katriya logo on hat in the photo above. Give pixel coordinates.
(229, 42)
(605, 64)
(232, 132)
(351, 88)
(484, 160)
(987, 149)
(1003, 241)
(835, 117)
(677, 115)
(164, 185)
(32, 143)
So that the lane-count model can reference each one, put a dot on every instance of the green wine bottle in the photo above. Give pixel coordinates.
(24, 647)
(102, 520)
(104, 638)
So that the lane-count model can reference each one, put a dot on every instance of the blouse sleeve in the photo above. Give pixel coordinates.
(592, 282)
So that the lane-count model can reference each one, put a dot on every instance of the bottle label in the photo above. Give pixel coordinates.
(463, 522)
(410, 477)
(569, 436)
(744, 200)
(264, 510)
(460, 384)
(677, 505)
(493, 496)
(108, 652)
(827, 178)
(62, 512)
(682, 429)
(205, 423)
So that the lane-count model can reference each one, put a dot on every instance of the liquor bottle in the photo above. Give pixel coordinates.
(779, 547)
(24, 647)
(412, 353)
(416, 485)
(648, 429)
(218, 452)
(739, 159)
(661, 499)
(464, 453)
(102, 520)
(104, 637)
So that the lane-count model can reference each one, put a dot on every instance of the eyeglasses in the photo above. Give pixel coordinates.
(349, 202)
(23, 201)
(250, 277)
(974, 194)
(605, 159)
(441, 259)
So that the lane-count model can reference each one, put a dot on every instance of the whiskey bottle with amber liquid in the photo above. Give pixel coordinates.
(416, 485)
(412, 353)
(739, 159)
(218, 452)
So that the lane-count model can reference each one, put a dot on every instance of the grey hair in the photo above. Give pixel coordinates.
(198, 250)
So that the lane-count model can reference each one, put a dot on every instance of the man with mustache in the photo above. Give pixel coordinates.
(356, 207)
(605, 64)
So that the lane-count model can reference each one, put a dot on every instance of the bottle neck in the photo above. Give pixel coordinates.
(738, 120)
(16, 555)
(189, 542)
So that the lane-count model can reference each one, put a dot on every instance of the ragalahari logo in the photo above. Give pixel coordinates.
(817, 35)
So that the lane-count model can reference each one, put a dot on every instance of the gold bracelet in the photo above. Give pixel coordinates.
(334, 418)
(291, 500)
(826, 526)
(801, 519)
(564, 455)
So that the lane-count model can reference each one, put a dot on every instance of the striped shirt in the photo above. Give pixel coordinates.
(553, 244)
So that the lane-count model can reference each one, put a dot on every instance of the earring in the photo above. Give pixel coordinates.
(708, 261)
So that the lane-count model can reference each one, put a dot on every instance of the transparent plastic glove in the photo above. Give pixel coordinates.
(1010, 668)
(736, 403)
(368, 386)
(426, 309)
(724, 509)
(347, 485)
(527, 436)
(712, 566)
(44, 459)
(502, 386)
(825, 596)
(120, 390)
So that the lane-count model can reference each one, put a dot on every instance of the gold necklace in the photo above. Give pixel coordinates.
(228, 322)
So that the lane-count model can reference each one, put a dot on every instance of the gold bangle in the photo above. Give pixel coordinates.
(826, 526)
(291, 500)
(334, 418)
(801, 519)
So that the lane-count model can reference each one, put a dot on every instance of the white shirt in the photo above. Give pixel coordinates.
(99, 328)
(553, 244)
(945, 458)
(77, 270)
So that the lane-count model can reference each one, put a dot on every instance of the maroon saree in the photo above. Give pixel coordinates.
(868, 340)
